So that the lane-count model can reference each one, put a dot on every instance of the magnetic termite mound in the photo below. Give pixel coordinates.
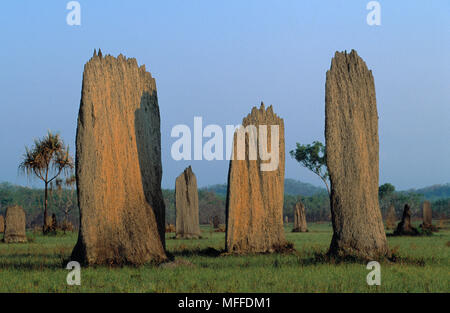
(427, 215)
(254, 204)
(118, 165)
(299, 218)
(404, 227)
(2, 224)
(15, 223)
(391, 218)
(352, 150)
(186, 204)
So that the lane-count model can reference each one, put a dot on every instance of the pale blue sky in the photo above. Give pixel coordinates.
(217, 59)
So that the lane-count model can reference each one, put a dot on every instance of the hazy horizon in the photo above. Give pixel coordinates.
(218, 60)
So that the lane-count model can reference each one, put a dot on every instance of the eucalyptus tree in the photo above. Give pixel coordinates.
(313, 157)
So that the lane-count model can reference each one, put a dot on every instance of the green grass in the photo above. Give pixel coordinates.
(423, 266)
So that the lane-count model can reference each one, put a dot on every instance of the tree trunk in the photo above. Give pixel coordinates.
(45, 206)
(328, 187)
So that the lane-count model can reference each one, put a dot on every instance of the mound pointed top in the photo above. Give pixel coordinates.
(188, 171)
(102, 64)
(349, 62)
(299, 204)
(262, 115)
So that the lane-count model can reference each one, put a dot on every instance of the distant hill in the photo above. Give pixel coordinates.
(212, 201)
(434, 192)
(295, 187)
(292, 187)
(219, 189)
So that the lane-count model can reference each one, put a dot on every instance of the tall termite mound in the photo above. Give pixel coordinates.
(299, 218)
(2, 224)
(404, 227)
(427, 215)
(186, 204)
(254, 204)
(15, 224)
(118, 165)
(351, 133)
(391, 218)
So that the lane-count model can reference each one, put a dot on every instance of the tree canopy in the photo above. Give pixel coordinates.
(385, 190)
(47, 159)
(313, 157)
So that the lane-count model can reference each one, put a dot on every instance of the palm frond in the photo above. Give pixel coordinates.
(47, 159)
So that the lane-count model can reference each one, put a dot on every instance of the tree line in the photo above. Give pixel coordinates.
(49, 160)
(63, 202)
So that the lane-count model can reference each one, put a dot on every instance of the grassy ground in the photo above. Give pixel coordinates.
(423, 267)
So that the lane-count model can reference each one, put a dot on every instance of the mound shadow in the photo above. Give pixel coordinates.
(151, 174)
(207, 252)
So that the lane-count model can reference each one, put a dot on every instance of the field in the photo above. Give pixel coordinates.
(422, 266)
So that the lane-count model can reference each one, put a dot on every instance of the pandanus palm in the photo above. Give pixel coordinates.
(47, 159)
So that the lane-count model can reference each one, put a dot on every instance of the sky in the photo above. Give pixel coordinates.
(218, 59)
